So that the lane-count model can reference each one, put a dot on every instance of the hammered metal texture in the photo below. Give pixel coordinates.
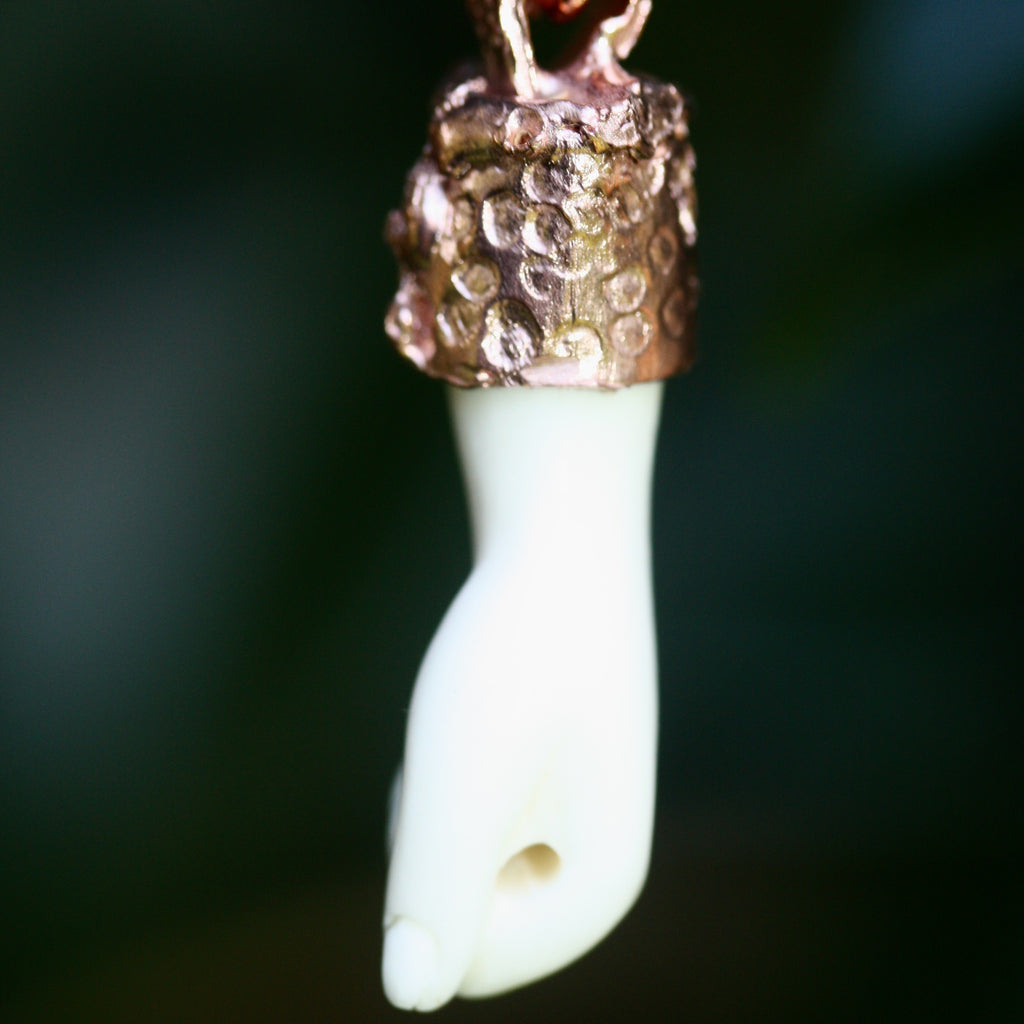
(550, 241)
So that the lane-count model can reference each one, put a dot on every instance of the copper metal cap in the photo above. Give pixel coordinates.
(547, 235)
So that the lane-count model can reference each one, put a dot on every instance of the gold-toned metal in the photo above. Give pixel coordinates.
(548, 231)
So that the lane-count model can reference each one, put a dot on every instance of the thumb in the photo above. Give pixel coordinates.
(460, 802)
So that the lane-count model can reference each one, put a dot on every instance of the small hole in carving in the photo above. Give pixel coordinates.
(532, 866)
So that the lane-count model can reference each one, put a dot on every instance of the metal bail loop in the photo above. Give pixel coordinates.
(504, 32)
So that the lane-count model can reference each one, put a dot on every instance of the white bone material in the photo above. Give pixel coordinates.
(523, 817)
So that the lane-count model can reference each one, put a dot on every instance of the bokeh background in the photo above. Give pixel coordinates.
(230, 517)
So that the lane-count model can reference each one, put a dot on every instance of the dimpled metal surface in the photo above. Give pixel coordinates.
(549, 239)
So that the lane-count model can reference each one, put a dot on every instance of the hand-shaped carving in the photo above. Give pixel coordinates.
(523, 825)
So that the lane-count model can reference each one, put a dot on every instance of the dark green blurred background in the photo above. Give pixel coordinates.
(230, 517)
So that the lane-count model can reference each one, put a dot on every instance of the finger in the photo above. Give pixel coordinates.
(467, 784)
(559, 897)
